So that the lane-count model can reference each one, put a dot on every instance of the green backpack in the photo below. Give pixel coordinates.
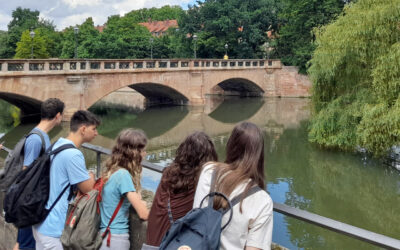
(82, 227)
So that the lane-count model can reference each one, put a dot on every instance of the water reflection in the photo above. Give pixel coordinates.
(154, 121)
(242, 110)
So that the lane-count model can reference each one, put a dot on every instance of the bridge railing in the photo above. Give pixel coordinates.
(57, 66)
(321, 221)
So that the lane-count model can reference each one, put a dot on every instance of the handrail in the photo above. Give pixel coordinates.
(321, 221)
(18, 67)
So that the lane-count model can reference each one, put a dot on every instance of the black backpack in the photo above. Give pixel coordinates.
(200, 228)
(26, 198)
(15, 161)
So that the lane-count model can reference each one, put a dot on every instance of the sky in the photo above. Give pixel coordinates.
(66, 13)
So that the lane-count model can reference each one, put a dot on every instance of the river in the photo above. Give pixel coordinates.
(350, 188)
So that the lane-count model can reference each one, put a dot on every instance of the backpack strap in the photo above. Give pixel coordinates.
(61, 148)
(35, 132)
(56, 151)
(58, 198)
(237, 198)
(107, 231)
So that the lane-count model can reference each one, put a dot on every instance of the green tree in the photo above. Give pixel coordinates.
(297, 19)
(3, 42)
(22, 20)
(123, 38)
(356, 79)
(27, 45)
(240, 24)
(88, 41)
(158, 14)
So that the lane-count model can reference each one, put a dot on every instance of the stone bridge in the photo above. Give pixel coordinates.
(81, 83)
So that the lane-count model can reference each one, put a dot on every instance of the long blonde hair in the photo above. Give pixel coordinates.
(126, 154)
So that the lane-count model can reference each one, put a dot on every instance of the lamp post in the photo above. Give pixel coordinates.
(151, 47)
(226, 52)
(76, 31)
(32, 34)
(267, 48)
(194, 45)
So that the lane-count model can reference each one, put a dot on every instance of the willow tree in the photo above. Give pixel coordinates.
(355, 72)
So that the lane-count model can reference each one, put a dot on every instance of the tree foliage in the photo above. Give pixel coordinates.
(22, 20)
(355, 72)
(297, 20)
(159, 14)
(28, 46)
(240, 24)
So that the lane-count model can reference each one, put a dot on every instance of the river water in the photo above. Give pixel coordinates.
(350, 188)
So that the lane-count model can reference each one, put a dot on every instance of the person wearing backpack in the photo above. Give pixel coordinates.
(122, 189)
(178, 184)
(36, 143)
(251, 223)
(67, 168)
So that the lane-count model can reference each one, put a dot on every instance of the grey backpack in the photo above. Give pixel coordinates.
(82, 227)
(15, 161)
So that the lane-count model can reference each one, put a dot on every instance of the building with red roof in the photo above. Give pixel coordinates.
(159, 28)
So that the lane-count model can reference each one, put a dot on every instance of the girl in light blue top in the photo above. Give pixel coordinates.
(122, 179)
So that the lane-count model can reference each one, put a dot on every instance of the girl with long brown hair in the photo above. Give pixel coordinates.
(122, 180)
(178, 184)
(251, 224)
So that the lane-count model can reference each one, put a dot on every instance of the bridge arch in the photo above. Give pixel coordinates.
(158, 93)
(30, 107)
(155, 93)
(239, 86)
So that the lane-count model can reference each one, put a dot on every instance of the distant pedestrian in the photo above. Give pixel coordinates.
(178, 185)
(67, 168)
(252, 221)
(51, 112)
(122, 182)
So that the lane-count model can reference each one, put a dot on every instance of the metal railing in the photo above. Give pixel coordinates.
(62, 66)
(321, 221)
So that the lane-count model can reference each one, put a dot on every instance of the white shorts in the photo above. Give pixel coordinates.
(44, 242)
(118, 241)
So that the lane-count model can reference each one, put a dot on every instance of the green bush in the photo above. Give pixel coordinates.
(355, 72)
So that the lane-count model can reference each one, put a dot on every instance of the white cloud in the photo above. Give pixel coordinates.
(78, 19)
(76, 3)
(4, 20)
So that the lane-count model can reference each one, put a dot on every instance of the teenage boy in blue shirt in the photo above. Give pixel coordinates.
(67, 167)
(51, 112)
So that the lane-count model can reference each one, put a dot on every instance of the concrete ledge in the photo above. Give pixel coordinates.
(8, 235)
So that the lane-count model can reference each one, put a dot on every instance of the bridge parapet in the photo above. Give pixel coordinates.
(12, 67)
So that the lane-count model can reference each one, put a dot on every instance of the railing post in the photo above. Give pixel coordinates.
(26, 66)
(98, 167)
(4, 67)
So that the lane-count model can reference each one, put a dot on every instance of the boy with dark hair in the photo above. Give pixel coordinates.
(51, 116)
(67, 168)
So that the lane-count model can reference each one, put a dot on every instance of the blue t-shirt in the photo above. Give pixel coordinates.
(33, 146)
(67, 167)
(117, 186)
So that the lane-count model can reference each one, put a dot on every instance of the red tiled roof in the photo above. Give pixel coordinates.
(159, 26)
(100, 28)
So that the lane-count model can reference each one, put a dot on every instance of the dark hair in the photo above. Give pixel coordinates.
(244, 161)
(81, 118)
(50, 108)
(183, 173)
(126, 154)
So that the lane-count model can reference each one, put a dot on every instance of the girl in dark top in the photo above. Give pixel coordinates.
(178, 184)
